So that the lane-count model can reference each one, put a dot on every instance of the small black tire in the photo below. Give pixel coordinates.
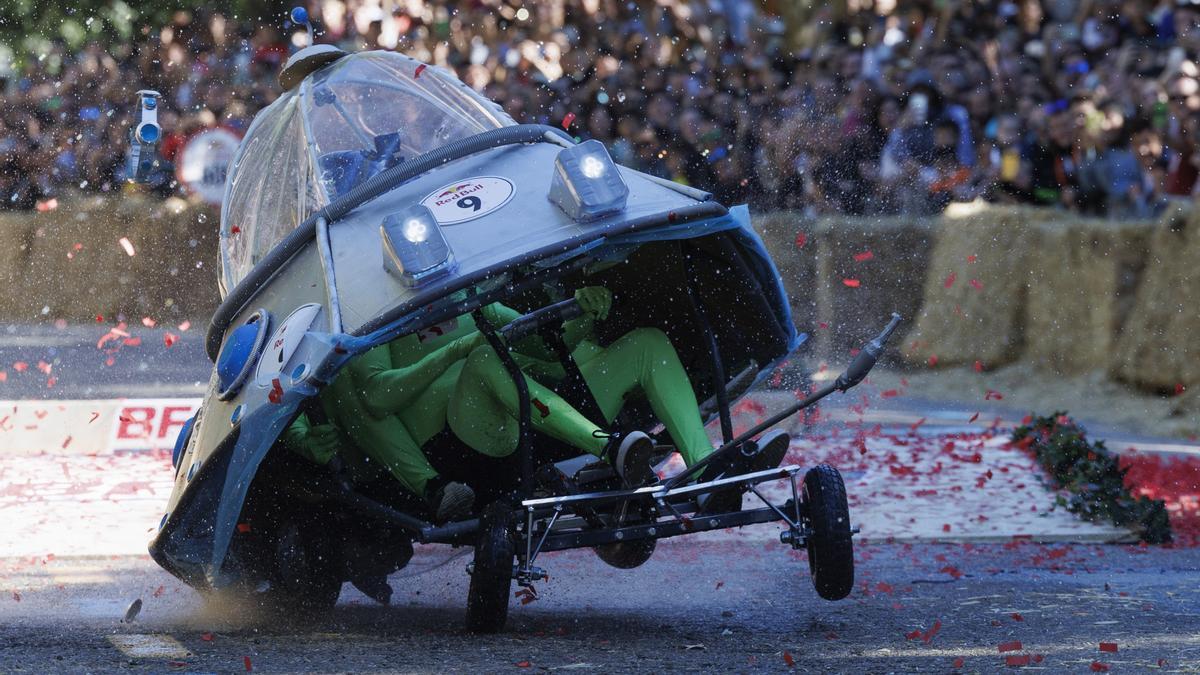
(830, 548)
(491, 575)
(305, 579)
(626, 555)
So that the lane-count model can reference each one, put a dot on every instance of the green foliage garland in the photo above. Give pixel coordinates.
(1092, 476)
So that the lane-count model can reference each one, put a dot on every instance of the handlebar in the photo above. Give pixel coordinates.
(524, 326)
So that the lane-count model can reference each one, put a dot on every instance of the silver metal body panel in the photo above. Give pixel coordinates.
(529, 221)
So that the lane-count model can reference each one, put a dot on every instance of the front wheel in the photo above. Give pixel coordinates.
(830, 550)
(491, 573)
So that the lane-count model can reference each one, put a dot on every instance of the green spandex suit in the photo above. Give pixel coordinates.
(396, 397)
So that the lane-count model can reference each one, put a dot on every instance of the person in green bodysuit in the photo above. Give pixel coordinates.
(396, 397)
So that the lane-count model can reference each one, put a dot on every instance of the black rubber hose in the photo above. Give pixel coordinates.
(377, 185)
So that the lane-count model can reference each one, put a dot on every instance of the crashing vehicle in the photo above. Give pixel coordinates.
(380, 197)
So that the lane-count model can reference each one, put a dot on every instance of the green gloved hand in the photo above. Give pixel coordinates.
(462, 347)
(320, 443)
(595, 301)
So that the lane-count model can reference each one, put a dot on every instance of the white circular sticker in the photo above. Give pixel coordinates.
(285, 341)
(204, 161)
(468, 199)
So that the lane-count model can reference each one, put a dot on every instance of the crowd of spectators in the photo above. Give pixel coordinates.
(865, 107)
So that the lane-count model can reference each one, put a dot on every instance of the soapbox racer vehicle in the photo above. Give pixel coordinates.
(379, 197)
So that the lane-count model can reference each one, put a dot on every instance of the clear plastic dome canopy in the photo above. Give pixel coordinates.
(349, 121)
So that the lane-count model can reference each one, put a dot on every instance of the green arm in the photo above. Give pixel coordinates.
(316, 443)
(386, 391)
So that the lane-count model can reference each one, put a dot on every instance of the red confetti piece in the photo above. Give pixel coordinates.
(148, 322)
(916, 425)
(1179, 389)
(567, 119)
(863, 257)
(1098, 667)
(542, 408)
(852, 283)
(178, 664)
(883, 587)
(420, 69)
(246, 662)
(1012, 646)
(243, 527)
(950, 280)
(183, 327)
(958, 663)
(912, 635)
(99, 318)
(933, 360)
(3, 376)
(952, 571)
(787, 658)
(159, 591)
(976, 284)
(890, 393)
(945, 527)
(44, 367)
(127, 245)
(978, 366)
(523, 664)
(992, 395)
(801, 239)
(234, 229)
(1162, 663)
(929, 634)
(973, 418)
(1038, 658)
(1110, 647)
(1017, 617)
(66, 442)
(207, 637)
(169, 338)
(132, 341)
(20, 366)
(972, 258)
(1017, 660)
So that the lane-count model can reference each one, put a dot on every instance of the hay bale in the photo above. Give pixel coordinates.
(74, 264)
(972, 300)
(1159, 347)
(781, 233)
(1075, 293)
(867, 268)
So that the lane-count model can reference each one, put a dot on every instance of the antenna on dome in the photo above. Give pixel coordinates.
(299, 16)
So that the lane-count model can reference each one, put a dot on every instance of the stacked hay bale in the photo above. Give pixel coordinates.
(974, 291)
(1159, 347)
(69, 264)
(867, 268)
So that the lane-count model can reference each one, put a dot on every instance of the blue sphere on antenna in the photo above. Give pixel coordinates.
(299, 15)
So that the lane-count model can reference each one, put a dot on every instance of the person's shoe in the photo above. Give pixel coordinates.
(452, 501)
(768, 451)
(630, 455)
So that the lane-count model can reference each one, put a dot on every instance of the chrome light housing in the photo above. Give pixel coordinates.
(586, 183)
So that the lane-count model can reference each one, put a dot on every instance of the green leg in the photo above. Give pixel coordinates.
(483, 410)
(644, 359)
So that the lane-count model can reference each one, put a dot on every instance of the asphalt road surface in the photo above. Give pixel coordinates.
(710, 607)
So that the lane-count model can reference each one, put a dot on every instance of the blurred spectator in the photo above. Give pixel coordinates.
(869, 107)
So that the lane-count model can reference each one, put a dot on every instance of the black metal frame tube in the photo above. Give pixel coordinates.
(524, 421)
(718, 365)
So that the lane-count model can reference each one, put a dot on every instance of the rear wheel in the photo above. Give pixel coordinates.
(830, 549)
(306, 581)
(491, 574)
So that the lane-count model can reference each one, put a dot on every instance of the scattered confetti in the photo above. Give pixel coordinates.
(933, 360)
(567, 119)
(207, 637)
(1017, 617)
(973, 418)
(1017, 660)
(127, 245)
(864, 256)
(787, 658)
(972, 258)
(993, 395)
(169, 338)
(420, 69)
(852, 283)
(1109, 647)
(66, 442)
(976, 284)
(523, 664)
(1098, 667)
(958, 663)
(950, 280)
(929, 634)
(1011, 646)
(978, 366)
(246, 662)
(801, 239)
(148, 322)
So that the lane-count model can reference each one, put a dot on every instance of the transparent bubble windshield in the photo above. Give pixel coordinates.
(338, 128)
